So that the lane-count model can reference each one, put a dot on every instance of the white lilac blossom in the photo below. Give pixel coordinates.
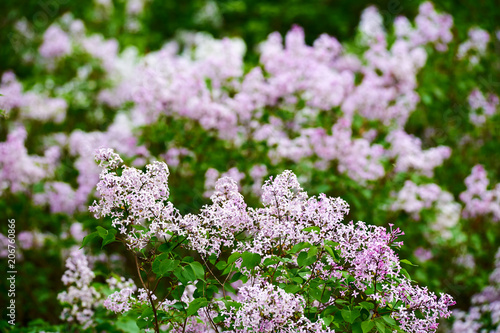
(62, 197)
(268, 308)
(212, 175)
(432, 27)
(217, 224)
(366, 252)
(482, 107)
(422, 254)
(174, 155)
(80, 297)
(135, 198)
(478, 199)
(120, 301)
(12, 91)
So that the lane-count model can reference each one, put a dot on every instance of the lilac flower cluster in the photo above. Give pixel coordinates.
(484, 314)
(475, 46)
(289, 217)
(479, 201)
(268, 308)
(407, 151)
(80, 296)
(18, 170)
(290, 72)
(56, 43)
(212, 175)
(60, 196)
(31, 105)
(413, 198)
(135, 198)
(482, 106)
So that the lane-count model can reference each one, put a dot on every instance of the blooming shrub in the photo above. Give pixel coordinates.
(392, 119)
(299, 267)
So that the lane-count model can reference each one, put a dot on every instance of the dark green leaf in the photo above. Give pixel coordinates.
(195, 305)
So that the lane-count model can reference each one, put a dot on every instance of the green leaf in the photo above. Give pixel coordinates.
(297, 247)
(405, 261)
(102, 232)
(367, 326)
(380, 326)
(313, 228)
(195, 305)
(292, 288)
(188, 273)
(232, 258)
(147, 313)
(165, 247)
(405, 273)
(350, 315)
(327, 320)
(329, 250)
(110, 238)
(88, 238)
(178, 292)
(270, 261)
(199, 271)
(312, 251)
(250, 260)
(305, 260)
(356, 328)
(221, 265)
(367, 305)
(389, 320)
(168, 266)
(187, 259)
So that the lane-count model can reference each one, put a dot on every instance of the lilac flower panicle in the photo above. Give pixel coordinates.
(80, 296)
(478, 199)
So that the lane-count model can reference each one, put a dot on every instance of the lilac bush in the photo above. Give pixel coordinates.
(368, 119)
(293, 265)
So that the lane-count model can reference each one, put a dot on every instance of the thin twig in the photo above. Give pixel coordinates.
(157, 327)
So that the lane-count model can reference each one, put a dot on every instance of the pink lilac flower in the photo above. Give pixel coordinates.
(56, 43)
(120, 301)
(479, 201)
(289, 217)
(482, 106)
(80, 298)
(212, 175)
(18, 170)
(268, 308)
(134, 197)
(258, 172)
(484, 314)
(413, 199)
(174, 155)
(12, 91)
(216, 225)
(422, 254)
(476, 44)
(432, 27)
(409, 154)
(32, 105)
